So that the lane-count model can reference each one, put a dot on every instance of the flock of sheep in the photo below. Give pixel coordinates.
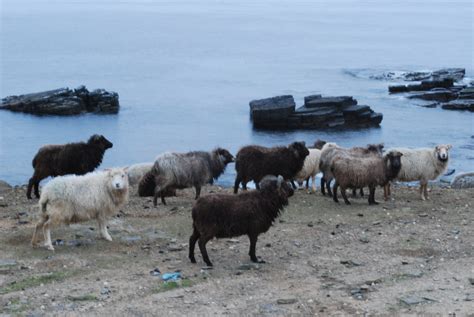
(84, 195)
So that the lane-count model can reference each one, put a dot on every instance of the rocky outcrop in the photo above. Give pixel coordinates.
(464, 180)
(317, 113)
(456, 74)
(442, 89)
(64, 102)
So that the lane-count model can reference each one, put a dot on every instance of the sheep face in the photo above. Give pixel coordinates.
(100, 141)
(375, 148)
(277, 184)
(319, 144)
(118, 179)
(224, 156)
(395, 160)
(300, 149)
(442, 152)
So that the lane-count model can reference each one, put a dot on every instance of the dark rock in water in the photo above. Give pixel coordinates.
(455, 74)
(441, 94)
(424, 85)
(63, 102)
(272, 112)
(464, 180)
(459, 104)
(317, 113)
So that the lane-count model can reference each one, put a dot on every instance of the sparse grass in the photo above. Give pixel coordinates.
(171, 285)
(14, 307)
(83, 298)
(34, 281)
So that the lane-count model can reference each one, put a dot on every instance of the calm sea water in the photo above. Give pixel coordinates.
(186, 70)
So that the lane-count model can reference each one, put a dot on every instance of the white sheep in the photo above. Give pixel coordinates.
(136, 171)
(310, 169)
(422, 164)
(71, 199)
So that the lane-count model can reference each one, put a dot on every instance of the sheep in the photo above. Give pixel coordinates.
(72, 158)
(72, 198)
(369, 171)
(330, 150)
(146, 186)
(137, 171)
(318, 144)
(253, 162)
(422, 164)
(182, 170)
(250, 213)
(310, 169)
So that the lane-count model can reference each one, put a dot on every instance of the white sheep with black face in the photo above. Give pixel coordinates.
(71, 199)
(422, 164)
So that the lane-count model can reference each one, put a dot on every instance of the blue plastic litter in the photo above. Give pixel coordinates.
(155, 272)
(171, 276)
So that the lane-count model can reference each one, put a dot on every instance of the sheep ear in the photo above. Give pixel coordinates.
(449, 146)
(125, 169)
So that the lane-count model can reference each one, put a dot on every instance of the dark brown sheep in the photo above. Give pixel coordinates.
(369, 171)
(146, 186)
(72, 158)
(250, 213)
(253, 162)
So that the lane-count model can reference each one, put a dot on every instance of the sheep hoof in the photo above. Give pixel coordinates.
(109, 238)
(373, 203)
(208, 263)
(193, 260)
(347, 202)
(50, 247)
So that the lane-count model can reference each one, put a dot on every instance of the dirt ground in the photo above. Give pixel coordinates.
(404, 256)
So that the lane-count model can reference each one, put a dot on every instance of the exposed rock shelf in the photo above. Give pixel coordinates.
(64, 102)
(317, 113)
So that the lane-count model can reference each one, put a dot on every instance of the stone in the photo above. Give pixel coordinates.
(63, 102)
(442, 95)
(469, 298)
(286, 301)
(459, 104)
(317, 113)
(350, 263)
(463, 180)
(412, 300)
(423, 86)
(471, 280)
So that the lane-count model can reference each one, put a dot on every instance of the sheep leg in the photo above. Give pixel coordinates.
(30, 186)
(307, 182)
(293, 184)
(47, 235)
(39, 226)
(192, 243)
(334, 197)
(238, 179)
(354, 192)
(313, 183)
(361, 192)
(343, 194)
(425, 191)
(422, 190)
(372, 196)
(328, 185)
(385, 192)
(253, 245)
(158, 192)
(202, 246)
(257, 185)
(34, 183)
(323, 181)
(103, 230)
(198, 191)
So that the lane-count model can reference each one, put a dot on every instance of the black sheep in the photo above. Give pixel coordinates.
(253, 162)
(250, 213)
(72, 158)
